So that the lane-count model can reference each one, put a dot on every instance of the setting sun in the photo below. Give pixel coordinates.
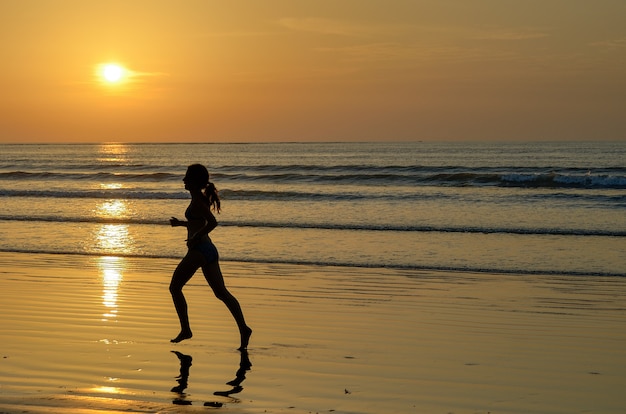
(112, 73)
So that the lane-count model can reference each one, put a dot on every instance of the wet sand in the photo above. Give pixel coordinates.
(91, 335)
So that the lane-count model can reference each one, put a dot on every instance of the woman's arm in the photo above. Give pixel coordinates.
(174, 222)
(209, 225)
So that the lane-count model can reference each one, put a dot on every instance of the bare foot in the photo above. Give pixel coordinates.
(182, 336)
(245, 337)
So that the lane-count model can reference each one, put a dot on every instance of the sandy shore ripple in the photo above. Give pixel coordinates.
(91, 335)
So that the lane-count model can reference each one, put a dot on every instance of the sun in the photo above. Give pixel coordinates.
(112, 73)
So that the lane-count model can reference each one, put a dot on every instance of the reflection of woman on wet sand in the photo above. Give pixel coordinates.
(202, 253)
(183, 380)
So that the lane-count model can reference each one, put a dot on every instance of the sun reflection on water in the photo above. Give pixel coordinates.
(111, 186)
(112, 209)
(111, 269)
(106, 390)
(112, 152)
(112, 237)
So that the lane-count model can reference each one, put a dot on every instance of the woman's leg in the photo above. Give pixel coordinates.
(213, 275)
(184, 271)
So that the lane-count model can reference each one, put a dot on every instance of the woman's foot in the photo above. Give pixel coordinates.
(182, 336)
(245, 337)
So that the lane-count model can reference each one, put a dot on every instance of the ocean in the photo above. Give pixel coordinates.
(510, 208)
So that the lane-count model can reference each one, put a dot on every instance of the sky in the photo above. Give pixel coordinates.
(312, 70)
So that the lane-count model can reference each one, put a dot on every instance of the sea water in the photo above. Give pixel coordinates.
(522, 208)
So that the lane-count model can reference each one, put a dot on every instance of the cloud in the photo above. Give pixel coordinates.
(339, 27)
(508, 34)
(235, 34)
(136, 74)
(421, 44)
(613, 44)
(416, 53)
(353, 29)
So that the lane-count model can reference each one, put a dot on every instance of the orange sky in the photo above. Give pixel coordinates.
(313, 70)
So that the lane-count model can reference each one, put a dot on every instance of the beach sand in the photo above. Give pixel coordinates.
(86, 334)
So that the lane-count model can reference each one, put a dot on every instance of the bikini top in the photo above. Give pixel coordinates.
(190, 216)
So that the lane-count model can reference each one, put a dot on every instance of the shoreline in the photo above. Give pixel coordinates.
(91, 334)
(366, 267)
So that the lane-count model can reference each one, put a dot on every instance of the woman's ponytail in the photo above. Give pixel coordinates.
(210, 192)
(199, 175)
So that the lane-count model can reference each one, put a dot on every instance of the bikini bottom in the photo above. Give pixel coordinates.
(208, 250)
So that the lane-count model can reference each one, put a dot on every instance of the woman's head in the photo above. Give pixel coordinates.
(197, 178)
